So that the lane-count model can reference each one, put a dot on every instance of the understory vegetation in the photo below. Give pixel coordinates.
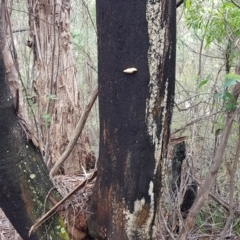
(207, 79)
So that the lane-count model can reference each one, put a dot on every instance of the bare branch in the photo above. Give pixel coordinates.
(231, 210)
(235, 4)
(216, 199)
(86, 6)
(194, 121)
(194, 51)
(79, 128)
(179, 3)
(186, 109)
(20, 30)
(166, 226)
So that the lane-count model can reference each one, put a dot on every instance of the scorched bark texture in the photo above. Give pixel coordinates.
(26, 190)
(135, 115)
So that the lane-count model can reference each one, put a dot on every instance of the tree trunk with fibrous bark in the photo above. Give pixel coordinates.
(55, 85)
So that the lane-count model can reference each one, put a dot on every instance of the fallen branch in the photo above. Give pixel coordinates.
(79, 128)
(219, 201)
(42, 219)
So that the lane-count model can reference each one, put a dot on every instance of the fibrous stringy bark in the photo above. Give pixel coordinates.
(56, 86)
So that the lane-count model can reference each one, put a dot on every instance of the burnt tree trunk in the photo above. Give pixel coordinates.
(179, 154)
(135, 115)
(189, 198)
(26, 191)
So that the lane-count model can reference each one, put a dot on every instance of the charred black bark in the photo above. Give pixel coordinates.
(189, 198)
(135, 114)
(26, 190)
(179, 154)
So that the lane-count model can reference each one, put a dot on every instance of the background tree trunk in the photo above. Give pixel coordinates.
(179, 154)
(135, 115)
(26, 191)
(55, 86)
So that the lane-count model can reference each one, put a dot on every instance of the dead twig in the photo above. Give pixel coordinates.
(235, 4)
(194, 121)
(216, 199)
(166, 226)
(219, 201)
(20, 30)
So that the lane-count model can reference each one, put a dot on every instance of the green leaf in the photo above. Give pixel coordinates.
(230, 96)
(203, 82)
(229, 82)
(230, 107)
(232, 76)
(218, 95)
(229, 101)
(188, 4)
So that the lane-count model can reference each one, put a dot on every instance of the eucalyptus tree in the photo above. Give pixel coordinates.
(26, 190)
(136, 77)
(136, 67)
(55, 85)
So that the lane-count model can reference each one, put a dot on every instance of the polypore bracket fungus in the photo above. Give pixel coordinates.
(130, 70)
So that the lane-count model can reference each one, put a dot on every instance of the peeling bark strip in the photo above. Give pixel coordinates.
(160, 54)
(161, 61)
(155, 53)
(135, 114)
